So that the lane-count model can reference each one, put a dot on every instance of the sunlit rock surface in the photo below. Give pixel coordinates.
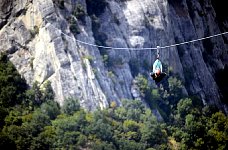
(31, 31)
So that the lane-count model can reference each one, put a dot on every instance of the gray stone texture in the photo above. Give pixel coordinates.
(31, 33)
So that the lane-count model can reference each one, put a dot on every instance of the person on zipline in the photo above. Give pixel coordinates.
(157, 73)
(157, 67)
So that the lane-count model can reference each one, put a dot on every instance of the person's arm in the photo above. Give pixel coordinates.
(154, 66)
(161, 66)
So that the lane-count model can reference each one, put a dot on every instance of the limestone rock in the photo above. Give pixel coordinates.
(42, 36)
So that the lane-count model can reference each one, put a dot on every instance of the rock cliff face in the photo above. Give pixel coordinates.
(41, 38)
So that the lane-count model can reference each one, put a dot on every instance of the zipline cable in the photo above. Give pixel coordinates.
(200, 39)
(145, 48)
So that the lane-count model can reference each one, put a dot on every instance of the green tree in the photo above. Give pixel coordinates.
(153, 134)
(217, 131)
(175, 90)
(102, 130)
(51, 109)
(38, 94)
(131, 130)
(142, 84)
(68, 129)
(134, 109)
(12, 85)
(3, 114)
(14, 117)
(70, 106)
(39, 121)
(21, 135)
(184, 107)
(47, 92)
(102, 145)
(6, 142)
(45, 140)
(79, 12)
(34, 96)
(130, 145)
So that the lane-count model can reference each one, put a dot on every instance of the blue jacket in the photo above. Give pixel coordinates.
(157, 65)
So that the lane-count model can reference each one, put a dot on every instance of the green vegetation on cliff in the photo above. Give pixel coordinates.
(31, 119)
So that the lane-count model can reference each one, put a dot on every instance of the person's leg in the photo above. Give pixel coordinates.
(152, 74)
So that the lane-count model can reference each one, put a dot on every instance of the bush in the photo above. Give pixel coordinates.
(142, 83)
(12, 85)
(34, 31)
(5, 141)
(70, 106)
(51, 109)
(79, 13)
(74, 28)
(184, 107)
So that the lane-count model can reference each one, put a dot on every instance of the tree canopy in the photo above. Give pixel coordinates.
(31, 119)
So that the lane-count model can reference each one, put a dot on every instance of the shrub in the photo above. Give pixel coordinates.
(34, 31)
(70, 106)
(74, 28)
(79, 13)
(12, 85)
(142, 83)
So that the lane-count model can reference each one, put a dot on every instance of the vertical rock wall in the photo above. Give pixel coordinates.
(32, 32)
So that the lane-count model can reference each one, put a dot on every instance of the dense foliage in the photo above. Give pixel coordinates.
(11, 84)
(37, 122)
